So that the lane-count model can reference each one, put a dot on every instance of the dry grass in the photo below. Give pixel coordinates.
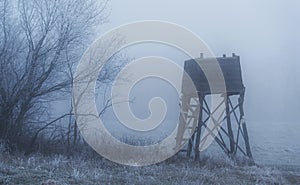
(59, 170)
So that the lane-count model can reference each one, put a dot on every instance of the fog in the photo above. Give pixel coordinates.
(265, 35)
(71, 85)
(66, 92)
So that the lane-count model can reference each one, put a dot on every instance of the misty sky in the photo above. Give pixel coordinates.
(264, 33)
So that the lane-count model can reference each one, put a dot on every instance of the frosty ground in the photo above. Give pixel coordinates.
(60, 170)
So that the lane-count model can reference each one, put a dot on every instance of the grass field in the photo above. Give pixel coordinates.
(60, 170)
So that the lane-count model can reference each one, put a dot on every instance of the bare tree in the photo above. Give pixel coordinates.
(40, 40)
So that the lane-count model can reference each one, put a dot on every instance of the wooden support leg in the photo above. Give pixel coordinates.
(229, 128)
(246, 138)
(190, 145)
(198, 131)
(245, 131)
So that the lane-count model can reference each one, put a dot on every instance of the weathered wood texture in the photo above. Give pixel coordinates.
(230, 67)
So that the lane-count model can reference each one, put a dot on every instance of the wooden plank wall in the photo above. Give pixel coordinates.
(230, 67)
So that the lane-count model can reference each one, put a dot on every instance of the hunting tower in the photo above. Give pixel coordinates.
(232, 135)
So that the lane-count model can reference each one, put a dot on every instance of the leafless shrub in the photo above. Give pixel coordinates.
(40, 43)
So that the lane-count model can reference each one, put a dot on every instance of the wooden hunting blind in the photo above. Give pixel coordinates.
(195, 110)
(230, 67)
